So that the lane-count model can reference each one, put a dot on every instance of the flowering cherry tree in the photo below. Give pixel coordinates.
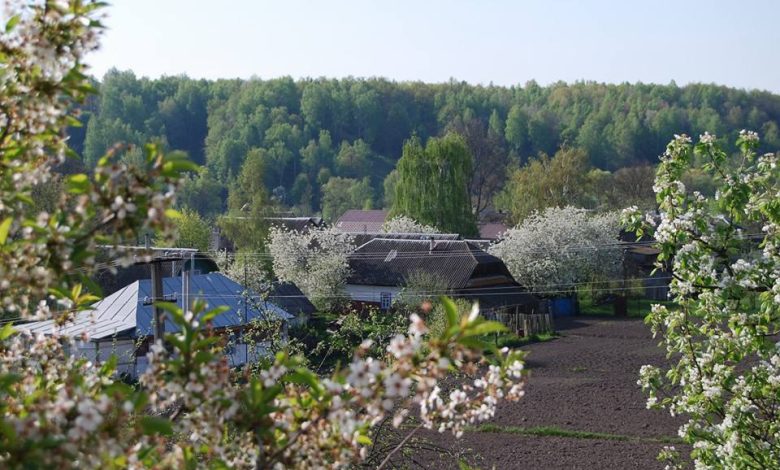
(315, 261)
(554, 250)
(722, 334)
(58, 410)
(404, 224)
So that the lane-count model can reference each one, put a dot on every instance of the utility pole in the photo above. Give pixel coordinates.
(246, 294)
(157, 295)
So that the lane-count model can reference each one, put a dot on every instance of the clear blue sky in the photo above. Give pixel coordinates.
(735, 43)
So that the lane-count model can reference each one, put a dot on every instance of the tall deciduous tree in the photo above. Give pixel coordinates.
(489, 159)
(545, 182)
(432, 185)
(341, 194)
(192, 231)
(249, 204)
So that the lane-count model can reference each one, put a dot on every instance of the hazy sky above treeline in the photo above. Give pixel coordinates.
(733, 43)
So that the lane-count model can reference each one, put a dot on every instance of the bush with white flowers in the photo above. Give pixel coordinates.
(723, 334)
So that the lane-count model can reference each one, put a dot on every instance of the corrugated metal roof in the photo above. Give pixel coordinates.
(126, 309)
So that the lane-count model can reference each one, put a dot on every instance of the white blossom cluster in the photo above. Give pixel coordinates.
(404, 224)
(58, 398)
(726, 279)
(554, 250)
(315, 261)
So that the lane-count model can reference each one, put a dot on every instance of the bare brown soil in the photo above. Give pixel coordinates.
(583, 381)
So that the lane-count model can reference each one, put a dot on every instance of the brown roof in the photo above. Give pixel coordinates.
(389, 262)
(492, 230)
(362, 220)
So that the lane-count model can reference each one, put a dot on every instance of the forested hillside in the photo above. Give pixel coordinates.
(335, 143)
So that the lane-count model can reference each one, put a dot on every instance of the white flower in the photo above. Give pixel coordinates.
(397, 386)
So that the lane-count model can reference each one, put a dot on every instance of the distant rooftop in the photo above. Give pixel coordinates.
(362, 220)
(492, 230)
(361, 238)
(128, 312)
(389, 262)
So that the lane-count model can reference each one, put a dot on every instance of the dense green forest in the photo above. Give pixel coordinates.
(324, 145)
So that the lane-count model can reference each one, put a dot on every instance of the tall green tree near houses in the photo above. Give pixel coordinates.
(432, 185)
(249, 203)
(341, 194)
(192, 231)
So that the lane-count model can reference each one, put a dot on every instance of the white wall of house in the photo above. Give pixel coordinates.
(98, 352)
(373, 294)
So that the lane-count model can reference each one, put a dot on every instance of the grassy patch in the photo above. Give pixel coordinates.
(514, 341)
(553, 431)
(637, 307)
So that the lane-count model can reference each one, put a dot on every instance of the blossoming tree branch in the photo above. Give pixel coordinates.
(722, 336)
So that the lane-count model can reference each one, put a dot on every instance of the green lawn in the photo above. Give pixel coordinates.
(637, 307)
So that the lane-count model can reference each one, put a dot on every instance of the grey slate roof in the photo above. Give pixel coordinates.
(289, 297)
(125, 312)
(389, 262)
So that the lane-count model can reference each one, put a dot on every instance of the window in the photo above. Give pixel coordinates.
(385, 298)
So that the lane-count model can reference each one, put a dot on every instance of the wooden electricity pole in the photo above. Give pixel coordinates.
(157, 297)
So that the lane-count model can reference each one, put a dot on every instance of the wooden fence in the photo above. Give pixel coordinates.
(525, 324)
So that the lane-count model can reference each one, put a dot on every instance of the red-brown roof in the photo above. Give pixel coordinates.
(492, 230)
(361, 220)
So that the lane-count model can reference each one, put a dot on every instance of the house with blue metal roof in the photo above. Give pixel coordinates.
(121, 323)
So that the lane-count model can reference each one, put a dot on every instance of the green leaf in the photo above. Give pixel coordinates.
(12, 23)
(305, 377)
(173, 168)
(78, 184)
(451, 309)
(6, 380)
(152, 425)
(4, 228)
(6, 331)
(486, 328)
(364, 440)
(208, 316)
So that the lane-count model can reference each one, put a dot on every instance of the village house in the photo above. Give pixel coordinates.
(121, 323)
(382, 267)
